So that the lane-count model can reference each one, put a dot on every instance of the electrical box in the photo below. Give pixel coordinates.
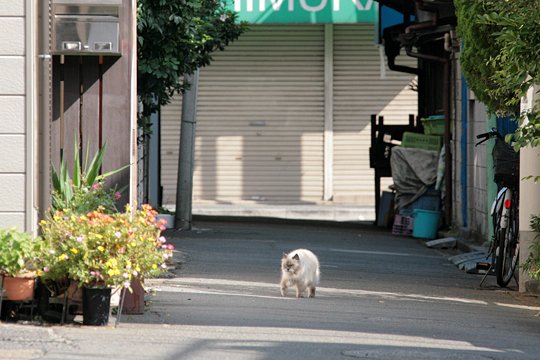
(86, 27)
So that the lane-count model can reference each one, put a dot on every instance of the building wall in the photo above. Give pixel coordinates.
(478, 171)
(13, 131)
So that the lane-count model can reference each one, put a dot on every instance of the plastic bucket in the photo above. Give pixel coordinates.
(426, 223)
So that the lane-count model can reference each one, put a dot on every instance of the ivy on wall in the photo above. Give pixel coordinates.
(500, 57)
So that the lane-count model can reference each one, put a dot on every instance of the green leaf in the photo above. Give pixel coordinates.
(95, 166)
(76, 167)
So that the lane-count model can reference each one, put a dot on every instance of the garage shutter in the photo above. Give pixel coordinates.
(260, 120)
(362, 89)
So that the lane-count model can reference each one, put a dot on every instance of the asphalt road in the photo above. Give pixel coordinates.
(380, 297)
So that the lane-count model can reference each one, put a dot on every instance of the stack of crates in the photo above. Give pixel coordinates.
(431, 139)
(421, 141)
(433, 125)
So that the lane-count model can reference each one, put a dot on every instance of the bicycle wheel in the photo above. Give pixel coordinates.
(508, 251)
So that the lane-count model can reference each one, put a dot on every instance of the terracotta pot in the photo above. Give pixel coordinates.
(19, 288)
(134, 301)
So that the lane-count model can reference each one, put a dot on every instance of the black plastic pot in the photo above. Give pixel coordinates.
(96, 306)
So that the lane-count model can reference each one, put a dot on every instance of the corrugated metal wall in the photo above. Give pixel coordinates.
(261, 117)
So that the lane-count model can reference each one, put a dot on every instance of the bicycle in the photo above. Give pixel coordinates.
(504, 249)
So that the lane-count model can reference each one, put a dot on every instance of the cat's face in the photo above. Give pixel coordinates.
(290, 265)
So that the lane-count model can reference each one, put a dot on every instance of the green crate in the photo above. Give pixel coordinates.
(421, 141)
(433, 125)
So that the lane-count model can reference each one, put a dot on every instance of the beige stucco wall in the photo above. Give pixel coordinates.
(13, 129)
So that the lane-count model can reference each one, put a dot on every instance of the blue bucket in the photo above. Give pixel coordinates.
(426, 223)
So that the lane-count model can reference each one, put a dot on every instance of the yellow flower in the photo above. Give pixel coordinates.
(74, 250)
(110, 272)
(154, 266)
(101, 248)
(99, 236)
(62, 257)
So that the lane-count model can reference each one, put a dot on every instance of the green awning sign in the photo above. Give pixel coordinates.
(304, 11)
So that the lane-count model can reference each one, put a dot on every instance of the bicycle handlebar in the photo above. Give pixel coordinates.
(488, 135)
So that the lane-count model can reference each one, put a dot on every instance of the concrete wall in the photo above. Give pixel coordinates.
(470, 199)
(13, 132)
(528, 201)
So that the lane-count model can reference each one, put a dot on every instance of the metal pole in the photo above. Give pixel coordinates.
(184, 186)
(120, 306)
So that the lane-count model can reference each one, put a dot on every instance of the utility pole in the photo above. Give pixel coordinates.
(184, 186)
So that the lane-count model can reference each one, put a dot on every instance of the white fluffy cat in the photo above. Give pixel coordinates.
(300, 268)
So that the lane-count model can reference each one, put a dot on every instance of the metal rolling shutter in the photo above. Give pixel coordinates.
(260, 120)
(359, 91)
(170, 142)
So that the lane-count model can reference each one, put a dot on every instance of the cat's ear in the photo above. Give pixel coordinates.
(284, 256)
(296, 257)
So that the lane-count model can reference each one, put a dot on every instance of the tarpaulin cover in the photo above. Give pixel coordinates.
(413, 172)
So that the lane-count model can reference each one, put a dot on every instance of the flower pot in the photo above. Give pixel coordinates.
(134, 301)
(169, 218)
(96, 306)
(19, 288)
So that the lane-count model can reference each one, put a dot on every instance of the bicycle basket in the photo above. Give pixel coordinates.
(505, 164)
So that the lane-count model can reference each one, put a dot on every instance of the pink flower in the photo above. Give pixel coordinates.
(95, 186)
(170, 247)
(118, 234)
(117, 195)
(162, 239)
(46, 269)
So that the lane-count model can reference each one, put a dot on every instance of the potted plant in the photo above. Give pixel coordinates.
(18, 251)
(166, 215)
(85, 191)
(102, 251)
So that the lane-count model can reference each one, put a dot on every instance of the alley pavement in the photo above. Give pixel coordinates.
(381, 297)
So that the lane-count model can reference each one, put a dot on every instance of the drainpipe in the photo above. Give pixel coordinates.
(447, 137)
(401, 68)
(44, 67)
